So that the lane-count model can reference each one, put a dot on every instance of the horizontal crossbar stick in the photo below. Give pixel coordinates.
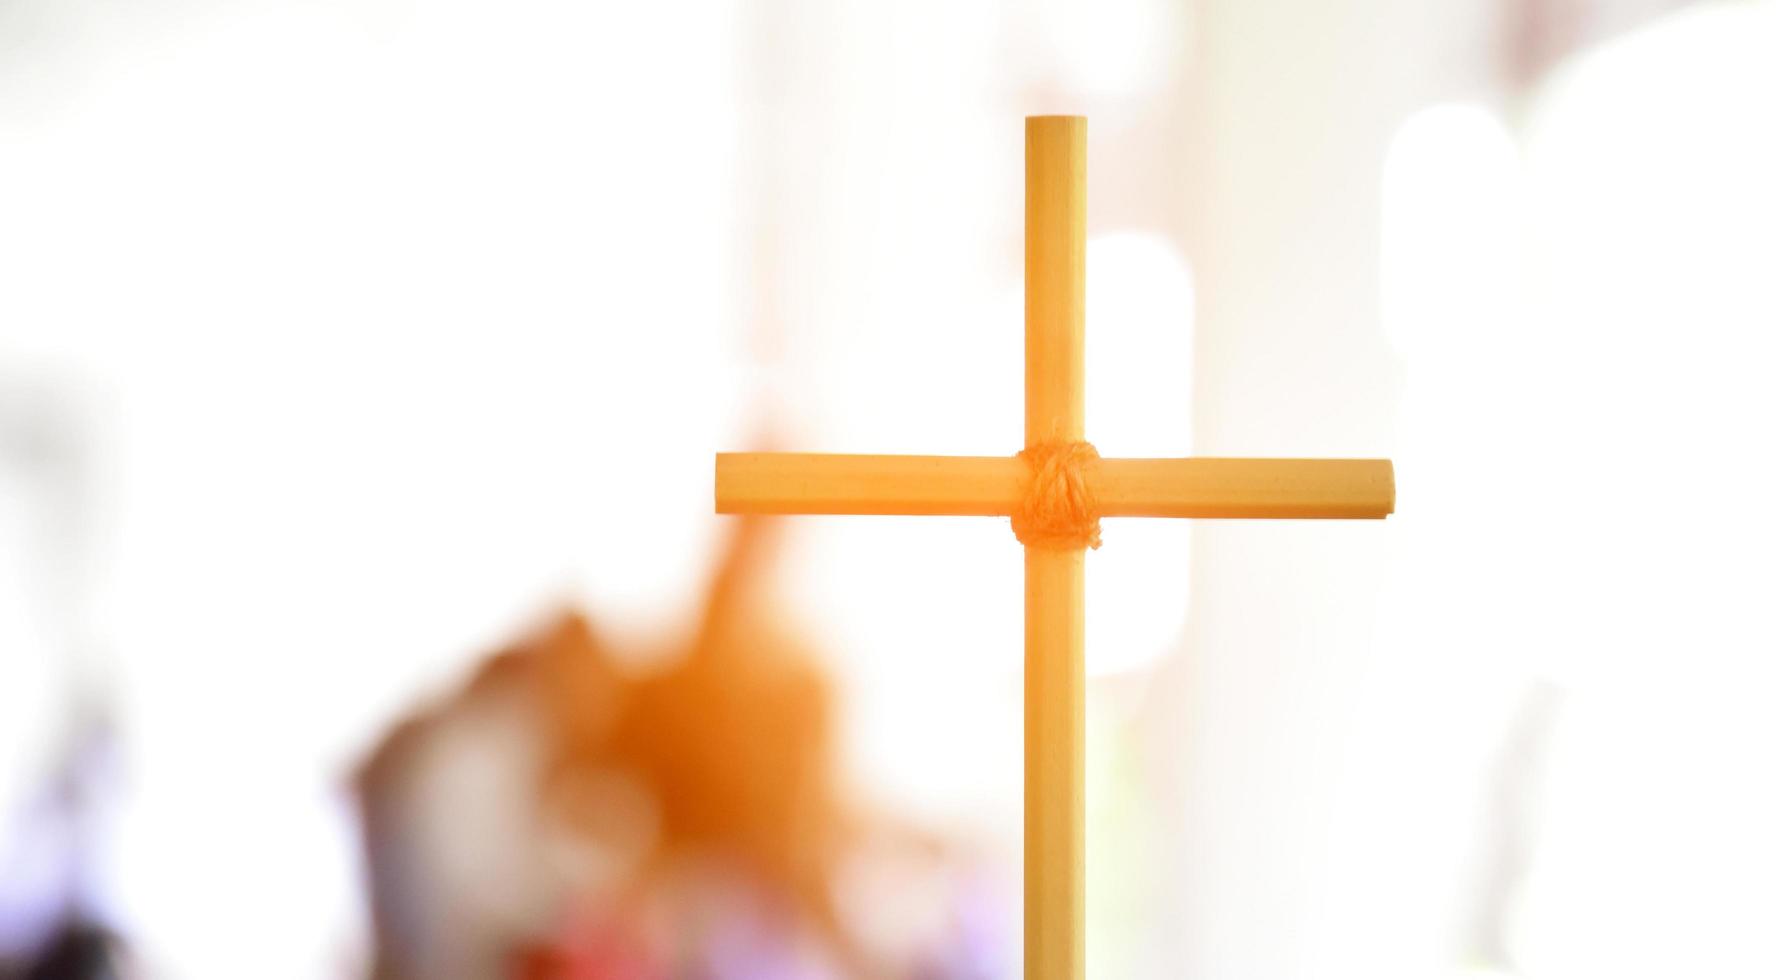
(989, 486)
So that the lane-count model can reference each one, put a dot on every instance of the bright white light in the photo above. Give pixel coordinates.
(411, 334)
(1114, 47)
(1140, 309)
(1651, 164)
(1586, 331)
(1450, 207)
(30, 688)
(1446, 664)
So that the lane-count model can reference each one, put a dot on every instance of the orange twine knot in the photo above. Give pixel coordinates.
(1058, 509)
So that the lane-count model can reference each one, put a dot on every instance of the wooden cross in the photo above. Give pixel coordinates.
(1054, 491)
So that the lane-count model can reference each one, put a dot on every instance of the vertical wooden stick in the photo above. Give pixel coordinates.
(1054, 581)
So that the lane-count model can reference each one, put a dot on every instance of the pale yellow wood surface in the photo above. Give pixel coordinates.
(817, 483)
(1054, 278)
(1054, 764)
(1206, 486)
(813, 483)
(1054, 581)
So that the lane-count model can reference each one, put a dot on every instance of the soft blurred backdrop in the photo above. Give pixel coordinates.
(343, 343)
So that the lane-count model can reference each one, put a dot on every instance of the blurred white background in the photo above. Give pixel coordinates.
(340, 340)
